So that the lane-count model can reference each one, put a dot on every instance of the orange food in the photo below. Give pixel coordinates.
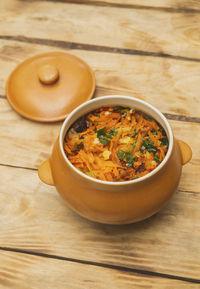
(116, 144)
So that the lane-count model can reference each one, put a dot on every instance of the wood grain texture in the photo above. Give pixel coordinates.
(162, 82)
(26, 142)
(171, 33)
(178, 6)
(36, 219)
(147, 49)
(21, 271)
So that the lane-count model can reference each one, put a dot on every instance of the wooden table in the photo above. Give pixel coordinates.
(149, 49)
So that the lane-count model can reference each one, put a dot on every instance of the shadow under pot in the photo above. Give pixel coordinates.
(116, 202)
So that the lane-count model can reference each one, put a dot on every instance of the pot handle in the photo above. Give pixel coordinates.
(45, 173)
(186, 152)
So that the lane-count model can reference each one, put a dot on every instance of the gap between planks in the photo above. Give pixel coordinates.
(104, 265)
(124, 6)
(167, 115)
(95, 48)
(18, 167)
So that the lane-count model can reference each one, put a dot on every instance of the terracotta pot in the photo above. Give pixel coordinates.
(116, 202)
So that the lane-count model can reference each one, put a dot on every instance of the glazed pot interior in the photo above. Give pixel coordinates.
(114, 100)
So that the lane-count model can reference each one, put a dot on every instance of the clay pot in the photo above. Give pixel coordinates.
(116, 202)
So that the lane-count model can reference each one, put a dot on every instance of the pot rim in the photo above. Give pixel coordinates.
(144, 103)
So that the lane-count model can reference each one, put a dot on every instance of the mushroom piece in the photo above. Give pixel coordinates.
(80, 124)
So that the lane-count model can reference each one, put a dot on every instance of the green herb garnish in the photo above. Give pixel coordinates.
(154, 132)
(121, 154)
(127, 155)
(101, 131)
(133, 146)
(129, 160)
(104, 137)
(113, 132)
(101, 134)
(103, 140)
(78, 144)
(156, 158)
(135, 133)
(149, 146)
(164, 141)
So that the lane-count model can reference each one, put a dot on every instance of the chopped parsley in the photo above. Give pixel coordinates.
(127, 155)
(133, 146)
(104, 140)
(113, 132)
(121, 154)
(149, 146)
(104, 137)
(135, 133)
(164, 141)
(78, 144)
(129, 160)
(154, 132)
(156, 158)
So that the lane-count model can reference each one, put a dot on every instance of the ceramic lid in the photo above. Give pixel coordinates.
(47, 87)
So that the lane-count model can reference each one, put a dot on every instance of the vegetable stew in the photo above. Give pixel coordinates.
(116, 144)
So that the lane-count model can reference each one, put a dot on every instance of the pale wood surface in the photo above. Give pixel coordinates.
(146, 30)
(169, 5)
(131, 47)
(40, 273)
(176, 82)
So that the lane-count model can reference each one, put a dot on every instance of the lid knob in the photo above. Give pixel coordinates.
(48, 74)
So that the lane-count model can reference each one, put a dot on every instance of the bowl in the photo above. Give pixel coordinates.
(115, 202)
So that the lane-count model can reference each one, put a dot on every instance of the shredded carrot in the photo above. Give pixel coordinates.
(116, 144)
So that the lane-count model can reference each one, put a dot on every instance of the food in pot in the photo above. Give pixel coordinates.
(116, 144)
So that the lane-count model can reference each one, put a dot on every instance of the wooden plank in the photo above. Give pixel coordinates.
(137, 29)
(21, 271)
(164, 5)
(162, 82)
(24, 143)
(35, 218)
(177, 6)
